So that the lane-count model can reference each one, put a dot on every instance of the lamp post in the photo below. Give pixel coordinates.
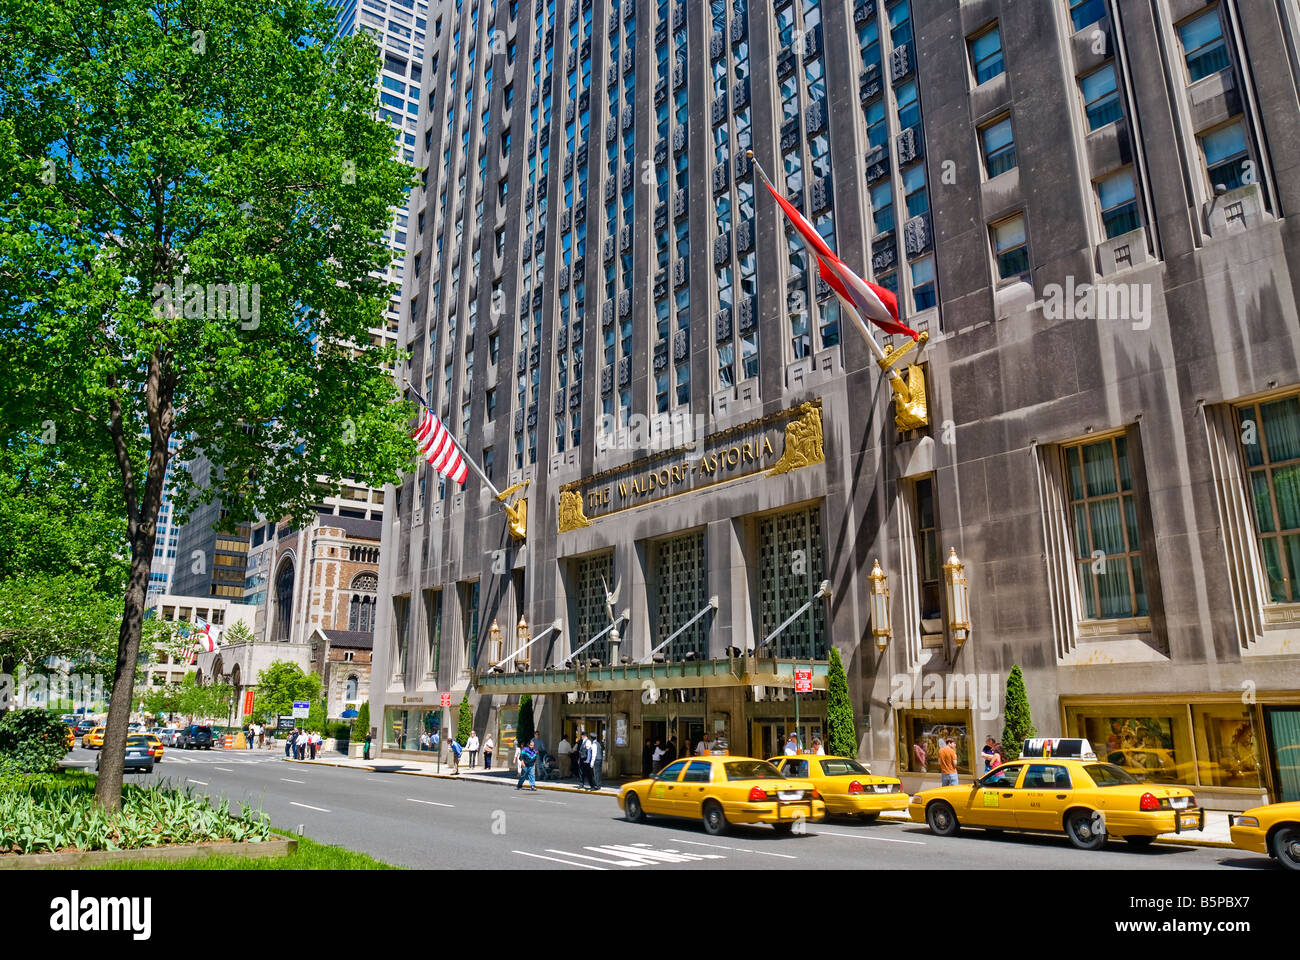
(954, 572)
(496, 644)
(879, 607)
(521, 639)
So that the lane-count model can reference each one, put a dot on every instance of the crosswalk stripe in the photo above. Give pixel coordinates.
(571, 863)
(583, 856)
(652, 854)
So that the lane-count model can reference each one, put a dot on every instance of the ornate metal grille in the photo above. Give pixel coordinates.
(682, 594)
(790, 568)
(593, 575)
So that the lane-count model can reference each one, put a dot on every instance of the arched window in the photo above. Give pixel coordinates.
(365, 583)
(361, 611)
(350, 692)
(283, 600)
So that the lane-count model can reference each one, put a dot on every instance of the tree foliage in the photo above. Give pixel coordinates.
(524, 729)
(362, 722)
(32, 741)
(1019, 724)
(192, 226)
(279, 685)
(841, 728)
(464, 721)
(211, 700)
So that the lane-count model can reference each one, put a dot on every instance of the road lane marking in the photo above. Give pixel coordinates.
(558, 803)
(225, 769)
(572, 863)
(651, 854)
(859, 836)
(201, 783)
(697, 843)
(764, 853)
(583, 856)
(307, 806)
(431, 803)
(287, 780)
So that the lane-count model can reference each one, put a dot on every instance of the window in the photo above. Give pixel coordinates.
(1119, 209)
(877, 132)
(1226, 156)
(928, 568)
(882, 207)
(1010, 248)
(1085, 12)
(1270, 438)
(999, 147)
(909, 110)
(986, 55)
(918, 201)
(1100, 98)
(923, 295)
(1203, 45)
(1103, 516)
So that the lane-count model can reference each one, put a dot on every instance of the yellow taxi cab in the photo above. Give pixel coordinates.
(94, 740)
(722, 790)
(846, 786)
(155, 746)
(1083, 797)
(1273, 829)
(72, 738)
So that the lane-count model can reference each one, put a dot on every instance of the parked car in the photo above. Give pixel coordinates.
(84, 727)
(139, 755)
(196, 737)
(172, 736)
(93, 739)
(1273, 829)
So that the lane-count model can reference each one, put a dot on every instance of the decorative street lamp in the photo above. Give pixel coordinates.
(954, 572)
(879, 607)
(495, 644)
(521, 640)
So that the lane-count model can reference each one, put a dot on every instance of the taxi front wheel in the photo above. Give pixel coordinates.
(632, 809)
(1285, 844)
(1086, 829)
(942, 819)
(715, 821)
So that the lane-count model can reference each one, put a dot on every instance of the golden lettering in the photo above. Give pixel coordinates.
(622, 490)
(767, 445)
(733, 456)
(746, 452)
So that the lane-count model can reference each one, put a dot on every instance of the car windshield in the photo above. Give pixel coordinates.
(1109, 775)
(137, 741)
(842, 767)
(752, 770)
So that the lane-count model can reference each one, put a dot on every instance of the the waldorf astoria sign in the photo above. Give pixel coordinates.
(772, 445)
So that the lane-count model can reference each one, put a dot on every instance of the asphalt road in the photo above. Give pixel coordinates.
(426, 822)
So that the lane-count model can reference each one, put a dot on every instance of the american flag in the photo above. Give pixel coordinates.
(437, 447)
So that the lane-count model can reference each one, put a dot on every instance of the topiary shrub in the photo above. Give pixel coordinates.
(464, 721)
(362, 722)
(1019, 723)
(841, 729)
(524, 729)
(32, 741)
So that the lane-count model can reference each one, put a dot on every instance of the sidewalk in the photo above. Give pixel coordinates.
(1215, 833)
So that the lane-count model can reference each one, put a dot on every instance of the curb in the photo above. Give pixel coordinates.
(558, 788)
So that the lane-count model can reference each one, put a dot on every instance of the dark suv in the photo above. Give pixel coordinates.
(196, 737)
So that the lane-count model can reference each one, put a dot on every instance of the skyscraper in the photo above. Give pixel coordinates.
(1081, 203)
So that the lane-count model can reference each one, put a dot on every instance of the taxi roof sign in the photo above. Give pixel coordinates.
(1069, 747)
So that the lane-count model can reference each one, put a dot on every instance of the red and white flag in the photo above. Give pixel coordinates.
(207, 643)
(868, 300)
(437, 447)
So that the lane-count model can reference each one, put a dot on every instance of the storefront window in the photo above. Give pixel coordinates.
(930, 728)
(1151, 743)
(1226, 751)
(416, 728)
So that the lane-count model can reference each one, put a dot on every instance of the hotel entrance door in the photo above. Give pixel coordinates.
(769, 735)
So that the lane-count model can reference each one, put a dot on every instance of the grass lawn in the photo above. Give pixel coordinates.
(310, 856)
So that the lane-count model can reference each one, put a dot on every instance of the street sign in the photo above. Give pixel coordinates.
(301, 708)
(803, 680)
(284, 723)
(446, 699)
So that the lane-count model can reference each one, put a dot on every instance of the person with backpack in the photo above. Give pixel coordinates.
(528, 760)
(454, 748)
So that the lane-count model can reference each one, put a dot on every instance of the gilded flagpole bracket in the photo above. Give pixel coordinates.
(910, 411)
(517, 512)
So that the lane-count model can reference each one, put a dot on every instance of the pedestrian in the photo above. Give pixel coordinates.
(670, 750)
(488, 747)
(366, 755)
(424, 740)
(577, 763)
(594, 760)
(1001, 753)
(818, 749)
(302, 745)
(564, 751)
(288, 745)
(702, 748)
(317, 742)
(519, 763)
(920, 756)
(647, 758)
(989, 754)
(471, 745)
(657, 756)
(791, 745)
(527, 761)
(454, 750)
(948, 763)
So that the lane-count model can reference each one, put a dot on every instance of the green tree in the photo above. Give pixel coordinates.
(237, 632)
(1019, 724)
(841, 727)
(164, 699)
(32, 741)
(362, 722)
(279, 685)
(524, 729)
(191, 231)
(464, 721)
(315, 722)
(211, 700)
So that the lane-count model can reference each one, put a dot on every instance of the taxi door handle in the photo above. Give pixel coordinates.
(1061, 796)
(1008, 794)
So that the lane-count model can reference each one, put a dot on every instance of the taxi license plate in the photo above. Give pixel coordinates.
(884, 788)
(789, 794)
(1178, 803)
(1190, 821)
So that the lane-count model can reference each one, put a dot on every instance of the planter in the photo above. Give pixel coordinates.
(94, 858)
(356, 751)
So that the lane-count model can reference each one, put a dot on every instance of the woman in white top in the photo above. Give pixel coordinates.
(471, 747)
(488, 748)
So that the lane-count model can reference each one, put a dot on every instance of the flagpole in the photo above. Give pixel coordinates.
(456, 443)
(881, 360)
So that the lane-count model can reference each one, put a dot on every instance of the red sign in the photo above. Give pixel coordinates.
(446, 699)
(803, 680)
(248, 702)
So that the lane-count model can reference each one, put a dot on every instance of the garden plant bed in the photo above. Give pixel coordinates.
(181, 851)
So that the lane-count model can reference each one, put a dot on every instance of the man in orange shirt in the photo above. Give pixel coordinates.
(948, 763)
